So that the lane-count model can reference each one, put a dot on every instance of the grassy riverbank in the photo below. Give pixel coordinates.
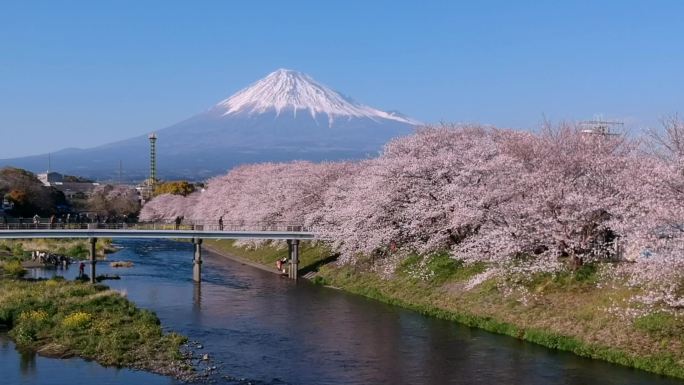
(20, 249)
(581, 312)
(61, 319)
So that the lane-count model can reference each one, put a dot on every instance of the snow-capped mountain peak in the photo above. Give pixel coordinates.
(288, 91)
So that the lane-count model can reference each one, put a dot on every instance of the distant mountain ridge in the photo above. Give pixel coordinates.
(285, 116)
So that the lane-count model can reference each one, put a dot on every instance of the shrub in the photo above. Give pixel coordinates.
(18, 250)
(37, 316)
(661, 324)
(438, 268)
(29, 324)
(442, 267)
(78, 251)
(318, 280)
(587, 273)
(14, 269)
(77, 320)
(24, 334)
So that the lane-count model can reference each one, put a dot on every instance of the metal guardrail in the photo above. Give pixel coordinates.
(153, 226)
(195, 226)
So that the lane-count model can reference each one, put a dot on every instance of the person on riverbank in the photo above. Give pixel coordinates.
(178, 222)
(220, 221)
(280, 265)
(36, 220)
(81, 269)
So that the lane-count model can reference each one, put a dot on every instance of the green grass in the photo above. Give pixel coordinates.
(567, 310)
(661, 325)
(60, 318)
(12, 269)
(267, 255)
(20, 249)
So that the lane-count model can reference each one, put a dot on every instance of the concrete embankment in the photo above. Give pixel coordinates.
(215, 250)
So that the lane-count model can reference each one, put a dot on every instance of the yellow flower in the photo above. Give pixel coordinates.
(77, 320)
(37, 316)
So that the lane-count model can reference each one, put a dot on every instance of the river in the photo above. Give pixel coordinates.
(263, 329)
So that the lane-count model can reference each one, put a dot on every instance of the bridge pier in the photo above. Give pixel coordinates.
(93, 243)
(197, 260)
(293, 249)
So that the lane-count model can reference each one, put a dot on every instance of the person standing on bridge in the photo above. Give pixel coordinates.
(178, 222)
(36, 220)
(221, 223)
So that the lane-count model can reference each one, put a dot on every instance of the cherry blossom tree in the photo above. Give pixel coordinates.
(519, 202)
(654, 225)
(268, 193)
(427, 192)
(166, 208)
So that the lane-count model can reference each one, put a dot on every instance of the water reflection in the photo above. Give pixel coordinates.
(27, 362)
(197, 296)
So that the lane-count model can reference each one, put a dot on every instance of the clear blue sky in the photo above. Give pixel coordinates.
(82, 73)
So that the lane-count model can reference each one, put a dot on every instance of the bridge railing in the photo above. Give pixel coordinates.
(209, 226)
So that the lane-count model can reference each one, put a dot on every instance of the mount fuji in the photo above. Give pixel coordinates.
(285, 116)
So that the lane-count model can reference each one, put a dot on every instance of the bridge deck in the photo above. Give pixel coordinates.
(149, 231)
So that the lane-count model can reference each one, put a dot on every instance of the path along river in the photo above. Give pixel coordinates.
(263, 329)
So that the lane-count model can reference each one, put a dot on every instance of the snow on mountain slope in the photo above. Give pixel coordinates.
(292, 91)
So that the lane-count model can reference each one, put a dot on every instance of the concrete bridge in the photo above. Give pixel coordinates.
(196, 231)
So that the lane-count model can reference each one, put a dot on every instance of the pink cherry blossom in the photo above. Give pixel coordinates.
(520, 202)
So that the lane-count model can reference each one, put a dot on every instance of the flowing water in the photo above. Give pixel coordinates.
(264, 329)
